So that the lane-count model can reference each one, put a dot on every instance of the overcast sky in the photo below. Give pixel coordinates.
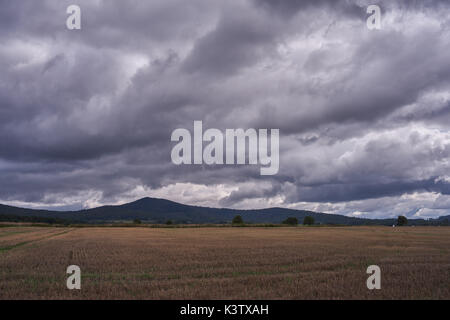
(364, 115)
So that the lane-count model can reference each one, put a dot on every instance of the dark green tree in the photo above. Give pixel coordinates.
(308, 220)
(238, 220)
(169, 222)
(402, 221)
(137, 221)
(291, 220)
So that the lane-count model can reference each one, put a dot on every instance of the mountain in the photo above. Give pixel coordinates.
(160, 210)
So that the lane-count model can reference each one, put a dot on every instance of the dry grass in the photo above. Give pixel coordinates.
(225, 263)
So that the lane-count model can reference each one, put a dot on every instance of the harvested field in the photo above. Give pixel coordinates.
(225, 263)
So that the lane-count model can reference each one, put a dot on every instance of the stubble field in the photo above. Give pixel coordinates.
(225, 263)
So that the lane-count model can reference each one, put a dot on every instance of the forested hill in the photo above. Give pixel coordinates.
(154, 210)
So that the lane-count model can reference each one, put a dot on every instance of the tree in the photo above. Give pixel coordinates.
(291, 220)
(137, 221)
(238, 220)
(308, 220)
(169, 222)
(402, 221)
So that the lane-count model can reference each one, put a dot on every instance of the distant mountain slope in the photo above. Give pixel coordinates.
(160, 210)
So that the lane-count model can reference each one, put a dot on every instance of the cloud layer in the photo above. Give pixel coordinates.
(86, 116)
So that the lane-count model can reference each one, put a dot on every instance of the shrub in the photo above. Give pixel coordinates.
(137, 221)
(169, 222)
(291, 220)
(238, 220)
(308, 220)
(402, 221)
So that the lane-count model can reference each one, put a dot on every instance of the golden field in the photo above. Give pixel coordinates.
(225, 263)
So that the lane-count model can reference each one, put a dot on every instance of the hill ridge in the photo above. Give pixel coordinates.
(159, 210)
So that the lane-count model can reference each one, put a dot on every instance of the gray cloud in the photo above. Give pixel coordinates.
(240, 39)
(288, 8)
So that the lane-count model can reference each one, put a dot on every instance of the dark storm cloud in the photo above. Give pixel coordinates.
(238, 40)
(377, 86)
(291, 7)
(86, 116)
(355, 191)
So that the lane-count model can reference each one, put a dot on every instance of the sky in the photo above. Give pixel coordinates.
(86, 115)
